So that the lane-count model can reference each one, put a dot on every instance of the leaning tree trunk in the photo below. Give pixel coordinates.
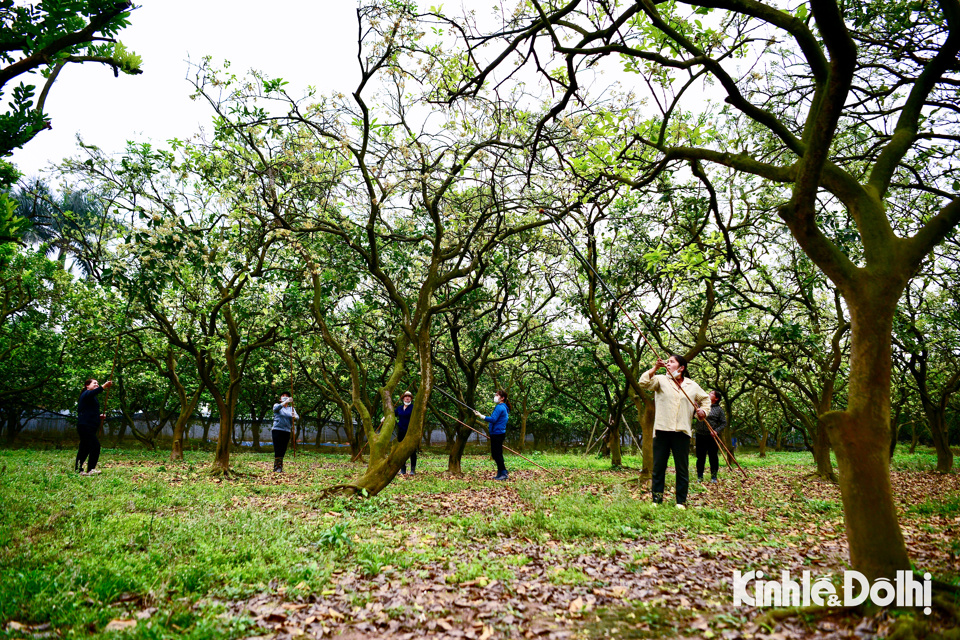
(176, 451)
(387, 455)
(861, 439)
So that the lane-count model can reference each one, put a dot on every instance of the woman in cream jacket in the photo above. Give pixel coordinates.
(672, 424)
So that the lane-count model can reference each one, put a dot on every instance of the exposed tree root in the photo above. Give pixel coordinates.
(917, 627)
(819, 476)
(773, 616)
(640, 480)
(226, 474)
(340, 489)
(908, 627)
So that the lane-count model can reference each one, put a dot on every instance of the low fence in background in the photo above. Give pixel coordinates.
(56, 427)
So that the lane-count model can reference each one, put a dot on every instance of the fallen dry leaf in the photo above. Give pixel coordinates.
(120, 625)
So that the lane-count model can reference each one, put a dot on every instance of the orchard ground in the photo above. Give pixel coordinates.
(154, 549)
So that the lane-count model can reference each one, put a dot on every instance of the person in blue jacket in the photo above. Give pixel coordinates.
(403, 411)
(283, 416)
(498, 430)
(88, 424)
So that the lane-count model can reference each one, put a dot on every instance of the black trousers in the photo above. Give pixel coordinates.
(413, 456)
(496, 451)
(665, 442)
(707, 445)
(89, 450)
(280, 441)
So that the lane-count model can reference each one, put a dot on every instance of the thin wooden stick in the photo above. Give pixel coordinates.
(592, 431)
(630, 431)
(599, 439)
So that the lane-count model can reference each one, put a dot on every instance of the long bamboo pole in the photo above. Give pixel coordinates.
(293, 413)
(599, 439)
(360, 453)
(480, 433)
(592, 431)
(630, 431)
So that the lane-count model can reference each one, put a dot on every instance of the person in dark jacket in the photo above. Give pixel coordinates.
(498, 430)
(283, 416)
(403, 412)
(88, 425)
(706, 445)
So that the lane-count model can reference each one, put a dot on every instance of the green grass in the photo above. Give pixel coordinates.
(77, 552)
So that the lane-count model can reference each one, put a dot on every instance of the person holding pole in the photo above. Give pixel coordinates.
(498, 430)
(283, 416)
(706, 443)
(403, 412)
(671, 427)
(88, 424)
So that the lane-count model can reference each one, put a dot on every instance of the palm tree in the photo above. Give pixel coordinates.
(72, 222)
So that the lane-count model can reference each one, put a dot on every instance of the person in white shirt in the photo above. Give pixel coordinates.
(672, 423)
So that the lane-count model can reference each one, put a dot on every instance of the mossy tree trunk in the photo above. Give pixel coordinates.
(860, 437)
(647, 411)
(188, 405)
(872, 270)
(387, 455)
(613, 443)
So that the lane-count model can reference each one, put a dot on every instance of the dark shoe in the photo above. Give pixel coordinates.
(700, 479)
(278, 466)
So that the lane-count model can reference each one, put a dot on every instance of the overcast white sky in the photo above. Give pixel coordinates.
(306, 42)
